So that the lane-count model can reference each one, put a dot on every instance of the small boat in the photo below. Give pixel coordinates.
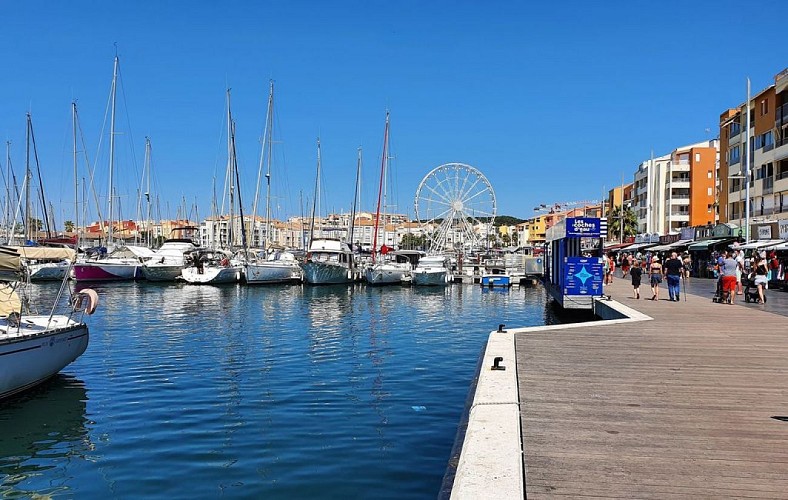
(168, 261)
(496, 280)
(35, 347)
(329, 261)
(432, 270)
(211, 267)
(122, 264)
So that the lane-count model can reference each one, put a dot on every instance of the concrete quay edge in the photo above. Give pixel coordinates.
(491, 457)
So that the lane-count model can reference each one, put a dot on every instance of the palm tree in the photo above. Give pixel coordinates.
(614, 222)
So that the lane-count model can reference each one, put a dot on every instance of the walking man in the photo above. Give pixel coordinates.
(728, 270)
(673, 267)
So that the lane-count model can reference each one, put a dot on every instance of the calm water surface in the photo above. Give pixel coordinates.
(258, 392)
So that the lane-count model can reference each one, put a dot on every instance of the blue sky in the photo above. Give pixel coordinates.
(553, 101)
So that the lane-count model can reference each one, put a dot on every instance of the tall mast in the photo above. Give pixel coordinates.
(230, 127)
(112, 149)
(380, 186)
(28, 176)
(356, 196)
(146, 178)
(268, 167)
(316, 196)
(76, 174)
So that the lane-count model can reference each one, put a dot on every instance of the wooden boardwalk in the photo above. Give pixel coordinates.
(681, 406)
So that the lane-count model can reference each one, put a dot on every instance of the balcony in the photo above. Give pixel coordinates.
(781, 115)
(680, 200)
(768, 185)
(679, 215)
(680, 184)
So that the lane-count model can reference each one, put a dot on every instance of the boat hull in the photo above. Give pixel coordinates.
(211, 275)
(496, 280)
(48, 272)
(385, 275)
(429, 278)
(29, 359)
(161, 272)
(267, 272)
(321, 273)
(97, 271)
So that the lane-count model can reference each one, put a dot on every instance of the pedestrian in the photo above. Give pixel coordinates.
(625, 265)
(761, 272)
(636, 272)
(738, 256)
(687, 265)
(606, 265)
(673, 269)
(655, 272)
(728, 271)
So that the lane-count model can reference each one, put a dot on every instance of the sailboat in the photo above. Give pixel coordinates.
(34, 347)
(214, 267)
(383, 270)
(329, 260)
(125, 262)
(272, 266)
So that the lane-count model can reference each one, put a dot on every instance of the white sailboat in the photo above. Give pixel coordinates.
(214, 267)
(329, 260)
(383, 270)
(34, 347)
(269, 266)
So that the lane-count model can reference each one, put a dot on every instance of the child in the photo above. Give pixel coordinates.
(636, 272)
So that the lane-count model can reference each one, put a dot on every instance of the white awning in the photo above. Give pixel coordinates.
(759, 244)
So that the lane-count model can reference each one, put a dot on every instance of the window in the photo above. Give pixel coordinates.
(708, 191)
(708, 174)
(764, 106)
(734, 128)
(697, 156)
(734, 155)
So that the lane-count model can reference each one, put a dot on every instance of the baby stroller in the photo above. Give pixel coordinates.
(751, 290)
(720, 295)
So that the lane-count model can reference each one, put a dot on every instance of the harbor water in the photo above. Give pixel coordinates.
(258, 392)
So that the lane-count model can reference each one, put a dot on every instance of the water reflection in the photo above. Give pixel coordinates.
(40, 429)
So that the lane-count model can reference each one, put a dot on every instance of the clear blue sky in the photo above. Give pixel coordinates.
(553, 101)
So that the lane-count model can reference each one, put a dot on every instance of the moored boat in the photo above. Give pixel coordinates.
(168, 261)
(211, 267)
(122, 264)
(431, 270)
(35, 347)
(329, 261)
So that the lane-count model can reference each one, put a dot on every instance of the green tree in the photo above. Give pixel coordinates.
(614, 223)
(411, 241)
(69, 225)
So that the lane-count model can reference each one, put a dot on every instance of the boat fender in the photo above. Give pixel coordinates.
(86, 300)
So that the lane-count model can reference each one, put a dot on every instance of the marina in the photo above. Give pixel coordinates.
(283, 391)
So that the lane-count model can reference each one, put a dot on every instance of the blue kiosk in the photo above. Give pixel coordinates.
(574, 269)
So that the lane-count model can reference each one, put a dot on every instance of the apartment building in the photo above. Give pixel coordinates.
(767, 138)
(677, 190)
(618, 196)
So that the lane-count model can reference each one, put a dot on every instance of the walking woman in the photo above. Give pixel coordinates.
(761, 271)
(636, 272)
(655, 271)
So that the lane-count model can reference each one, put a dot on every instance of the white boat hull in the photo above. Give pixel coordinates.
(48, 271)
(161, 272)
(323, 273)
(212, 275)
(429, 277)
(271, 272)
(106, 271)
(38, 353)
(385, 274)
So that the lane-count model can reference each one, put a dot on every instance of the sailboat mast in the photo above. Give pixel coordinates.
(146, 173)
(28, 176)
(356, 196)
(380, 186)
(230, 232)
(270, 129)
(316, 197)
(76, 174)
(42, 197)
(112, 150)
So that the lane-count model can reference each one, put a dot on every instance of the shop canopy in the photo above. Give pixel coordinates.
(638, 246)
(705, 244)
(759, 244)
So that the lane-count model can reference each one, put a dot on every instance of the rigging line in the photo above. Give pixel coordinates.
(128, 122)
(42, 195)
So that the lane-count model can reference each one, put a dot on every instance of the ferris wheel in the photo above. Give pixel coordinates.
(453, 202)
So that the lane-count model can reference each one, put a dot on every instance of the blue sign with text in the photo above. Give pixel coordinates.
(583, 276)
(577, 227)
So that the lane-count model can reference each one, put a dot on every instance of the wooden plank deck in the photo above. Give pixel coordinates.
(677, 407)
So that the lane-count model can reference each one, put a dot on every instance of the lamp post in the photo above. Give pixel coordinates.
(747, 169)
